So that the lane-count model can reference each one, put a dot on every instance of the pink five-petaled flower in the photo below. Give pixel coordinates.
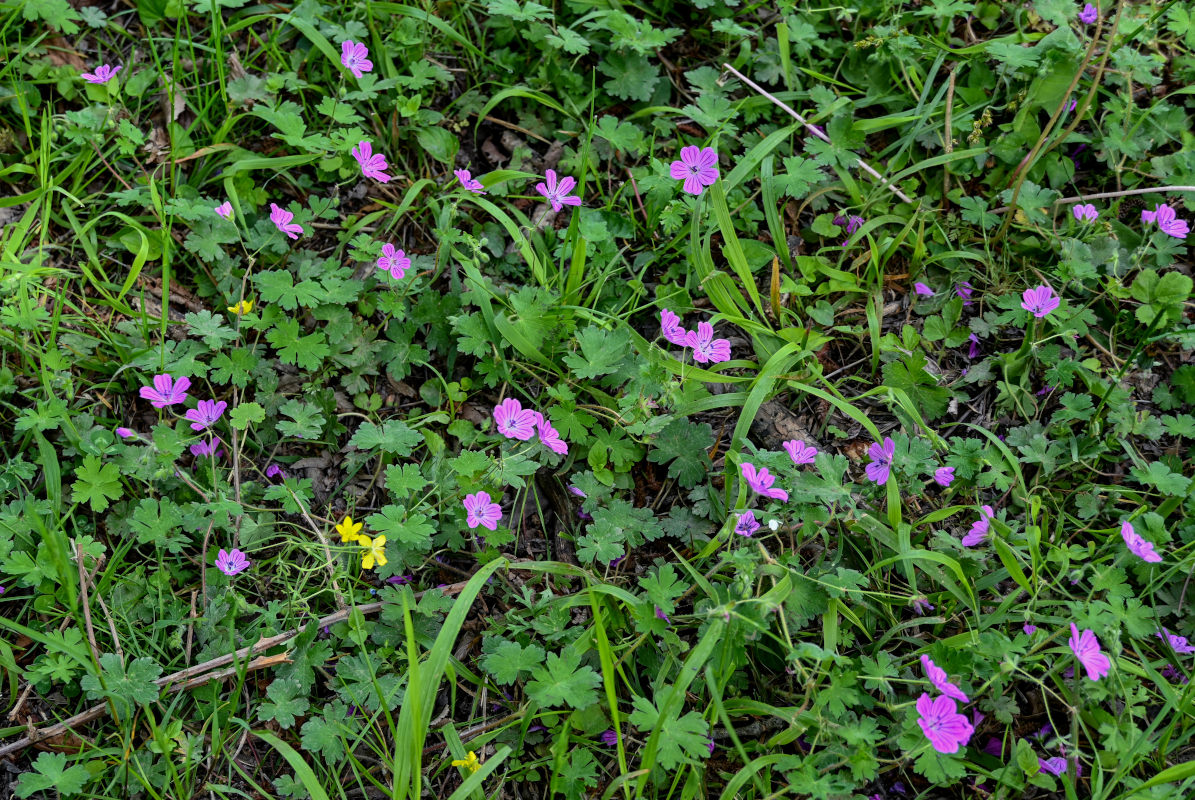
(670, 327)
(103, 73)
(979, 528)
(394, 261)
(1167, 222)
(203, 449)
(706, 347)
(1055, 765)
(747, 524)
(923, 290)
(800, 452)
(480, 511)
(1029, 628)
(282, 220)
(468, 182)
(371, 163)
(557, 192)
(166, 391)
(881, 461)
(697, 167)
(761, 481)
(355, 56)
(1178, 643)
(946, 729)
(1137, 545)
(1085, 213)
(549, 436)
(206, 414)
(944, 476)
(1087, 649)
(1089, 14)
(224, 209)
(1039, 301)
(941, 681)
(513, 421)
(125, 433)
(231, 563)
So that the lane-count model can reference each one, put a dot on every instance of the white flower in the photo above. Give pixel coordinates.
(774, 524)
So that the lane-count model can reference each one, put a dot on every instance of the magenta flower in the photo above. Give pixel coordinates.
(513, 421)
(761, 481)
(661, 615)
(673, 332)
(125, 433)
(923, 290)
(480, 511)
(800, 452)
(577, 492)
(1137, 545)
(1040, 301)
(973, 348)
(881, 461)
(946, 729)
(282, 220)
(609, 738)
(1085, 213)
(697, 167)
(468, 182)
(394, 261)
(558, 193)
(206, 414)
(231, 563)
(979, 528)
(371, 163)
(1087, 649)
(747, 524)
(275, 471)
(1088, 15)
(103, 73)
(224, 209)
(1057, 764)
(549, 436)
(964, 291)
(1178, 643)
(1167, 222)
(944, 476)
(203, 449)
(355, 56)
(941, 681)
(922, 605)
(1029, 629)
(166, 391)
(852, 223)
(706, 347)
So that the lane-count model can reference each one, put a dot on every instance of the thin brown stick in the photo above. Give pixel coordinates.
(1107, 195)
(95, 650)
(949, 144)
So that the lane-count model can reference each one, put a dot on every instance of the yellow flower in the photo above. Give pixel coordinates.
(243, 307)
(350, 532)
(470, 762)
(375, 551)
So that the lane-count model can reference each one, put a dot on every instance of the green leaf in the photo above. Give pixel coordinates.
(288, 700)
(404, 479)
(322, 734)
(438, 143)
(1162, 296)
(1159, 475)
(210, 328)
(632, 76)
(393, 437)
(278, 286)
(602, 351)
(397, 525)
(922, 388)
(800, 175)
(684, 736)
(304, 351)
(52, 774)
(564, 681)
(246, 414)
(510, 661)
(683, 445)
(96, 483)
(306, 420)
(125, 686)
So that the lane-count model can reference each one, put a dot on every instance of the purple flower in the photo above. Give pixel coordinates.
(468, 182)
(1071, 107)
(1088, 15)
(1168, 672)
(577, 491)
(371, 163)
(944, 476)
(1040, 301)
(549, 436)
(706, 347)
(661, 615)
(946, 729)
(800, 452)
(1085, 213)
(973, 348)
(513, 421)
(1087, 649)
(1167, 222)
(125, 433)
(224, 209)
(964, 291)
(394, 261)
(711, 746)
(1029, 628)
(923, 290)
(103, 73)
(1137, 545)
(1045, 390)
(557, 193)
(1178, 643)
(609, 738)
(994, 747)
(937, 676)
(1055, 765)
(979, 528)
(203, 449)
(355, 56)
(922, 605)
(671, 329)
(747, 524)
(282, 221)
(400, 580)
(275, 471)
(166, 391)
(761, 481)
(480, 511)
(881, 461)
(853, 223)
(206, 414)
(231, 563)
(697, 167)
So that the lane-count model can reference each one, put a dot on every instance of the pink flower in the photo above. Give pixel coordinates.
(979, 528)
(937, 676)
(1178, 643)
(355, 56)
(275, 471)
(922, 605)
(1057, 764)
(103, 73)
(944, 476)
(224, 209)
(125, 433)
(558, 193)
(203, 449)
(973, 348)
(480, 511)
(697, 167)
(282, 220)
(852, 223)
(946, 729)
(673, 332)
(1087, 649)
(231, 563)
(1029, 629)
(166, 391)
(705, 346)
(371, 163)
(1137, 545)
(206, 414)
(513, 421)
(800, 452)
(1040, 301)
(1088, 15)
(467, 181)
(923, 290)
(549, 436)
(1085, 213)
(761, 481)
(881, 461)
(747, 524)
(395, 261)
(1167, 222)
